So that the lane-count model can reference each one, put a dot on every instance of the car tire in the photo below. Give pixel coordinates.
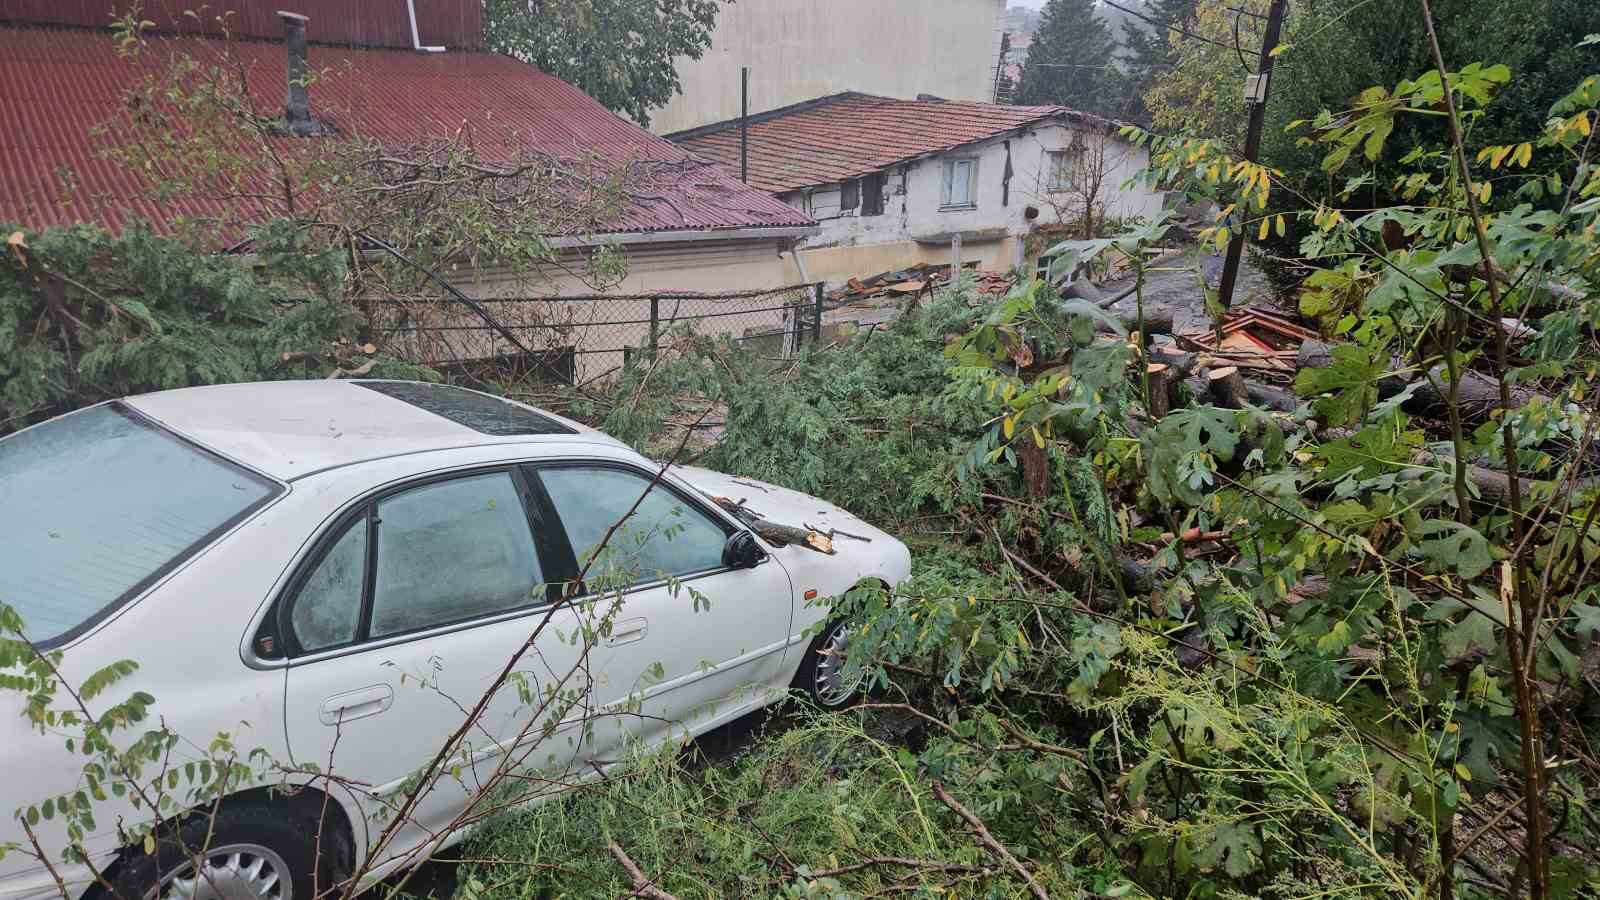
(251, 851)
(821, 675)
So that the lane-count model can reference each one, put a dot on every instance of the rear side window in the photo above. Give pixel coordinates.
(436, 554)
(100, 503)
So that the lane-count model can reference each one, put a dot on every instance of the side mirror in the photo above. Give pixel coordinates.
(742, 552)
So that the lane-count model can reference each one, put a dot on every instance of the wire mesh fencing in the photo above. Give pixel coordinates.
(584, 338)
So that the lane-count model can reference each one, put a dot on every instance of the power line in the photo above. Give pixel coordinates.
(1149, 21)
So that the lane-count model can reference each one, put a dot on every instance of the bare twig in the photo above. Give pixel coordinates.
(642, 886)
(981, 831)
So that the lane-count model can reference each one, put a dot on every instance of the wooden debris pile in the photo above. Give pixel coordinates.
(914, 282)
(1250, 359)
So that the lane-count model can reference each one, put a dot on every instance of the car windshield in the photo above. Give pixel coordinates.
(98, 504)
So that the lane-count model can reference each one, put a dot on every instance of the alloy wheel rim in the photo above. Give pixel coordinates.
(829, 682)
(231, 872)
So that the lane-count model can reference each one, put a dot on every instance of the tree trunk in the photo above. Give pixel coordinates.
(1035, 468)
(1479, 395)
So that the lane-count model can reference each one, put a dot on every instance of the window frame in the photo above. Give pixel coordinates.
(717, 518)
(849, 195)
(1055, 158)
(555, 560)
(947, 184)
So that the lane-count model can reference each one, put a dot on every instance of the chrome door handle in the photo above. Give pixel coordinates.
(627, 631)
(357, 704)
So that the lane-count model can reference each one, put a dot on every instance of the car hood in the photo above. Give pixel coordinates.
(861, 551)
(779, 504)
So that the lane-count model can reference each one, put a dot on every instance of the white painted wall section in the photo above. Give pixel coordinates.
(801, 49)
(914, 212)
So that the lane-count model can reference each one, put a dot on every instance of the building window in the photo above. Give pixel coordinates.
(1063, 170)
(1041, 269)
(960, 184)
(872, 195)
(849, 195)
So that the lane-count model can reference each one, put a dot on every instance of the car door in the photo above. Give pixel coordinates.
(691, 639)
(406, 617)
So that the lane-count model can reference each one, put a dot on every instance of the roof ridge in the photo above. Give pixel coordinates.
(780, 112)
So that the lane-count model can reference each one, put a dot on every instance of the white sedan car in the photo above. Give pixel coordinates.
(334, 572)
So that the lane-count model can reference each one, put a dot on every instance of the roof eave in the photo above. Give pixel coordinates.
(629, 238)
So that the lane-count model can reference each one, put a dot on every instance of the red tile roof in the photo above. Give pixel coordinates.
(61, 83)
(848, 135)
(455, 24)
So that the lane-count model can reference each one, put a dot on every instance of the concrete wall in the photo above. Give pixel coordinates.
(916, 228)
(801, 49)
(599, 329)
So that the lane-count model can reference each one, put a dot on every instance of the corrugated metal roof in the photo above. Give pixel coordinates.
(61, 84)
(848, 135)
(456, 24)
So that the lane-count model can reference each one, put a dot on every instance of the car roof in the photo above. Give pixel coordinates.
(289, 429)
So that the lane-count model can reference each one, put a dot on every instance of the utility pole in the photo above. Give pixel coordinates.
(1257, 88)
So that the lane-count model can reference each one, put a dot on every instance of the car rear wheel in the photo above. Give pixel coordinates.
(823, 675)
(247, 853)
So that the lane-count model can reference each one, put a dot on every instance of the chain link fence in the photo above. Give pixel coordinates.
(583, 338)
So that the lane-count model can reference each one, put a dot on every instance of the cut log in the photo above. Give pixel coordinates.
(1156, 321)
(1227, 387)
(1268, 397)
(772, 532)
(1163, 381)
(1479, 395)
(1169, 354)
(1493, 485)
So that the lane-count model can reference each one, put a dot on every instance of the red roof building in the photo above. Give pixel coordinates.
(62, 83)
(901, 183)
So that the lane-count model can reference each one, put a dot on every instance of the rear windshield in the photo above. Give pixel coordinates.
(97, 505)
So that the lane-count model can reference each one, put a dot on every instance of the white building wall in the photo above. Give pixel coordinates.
(597, 329)
(916, 228)
(802, 49)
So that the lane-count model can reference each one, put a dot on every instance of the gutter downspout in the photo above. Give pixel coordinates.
(416, 40)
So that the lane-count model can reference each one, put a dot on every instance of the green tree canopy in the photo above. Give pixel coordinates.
(1072, 61)
(620, 52)
(1148, 51)
(1337, 52)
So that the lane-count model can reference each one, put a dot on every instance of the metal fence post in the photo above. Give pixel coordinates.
(817, 336)
(655, 324)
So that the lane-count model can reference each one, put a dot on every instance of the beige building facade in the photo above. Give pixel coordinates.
(799, 49)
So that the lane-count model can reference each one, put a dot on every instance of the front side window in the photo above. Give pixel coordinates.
(451, 551)
(97, 505)
(960, 183)
(665, 537)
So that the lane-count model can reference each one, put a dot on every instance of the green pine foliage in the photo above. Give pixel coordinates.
(86, 316)
(1072, 61)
